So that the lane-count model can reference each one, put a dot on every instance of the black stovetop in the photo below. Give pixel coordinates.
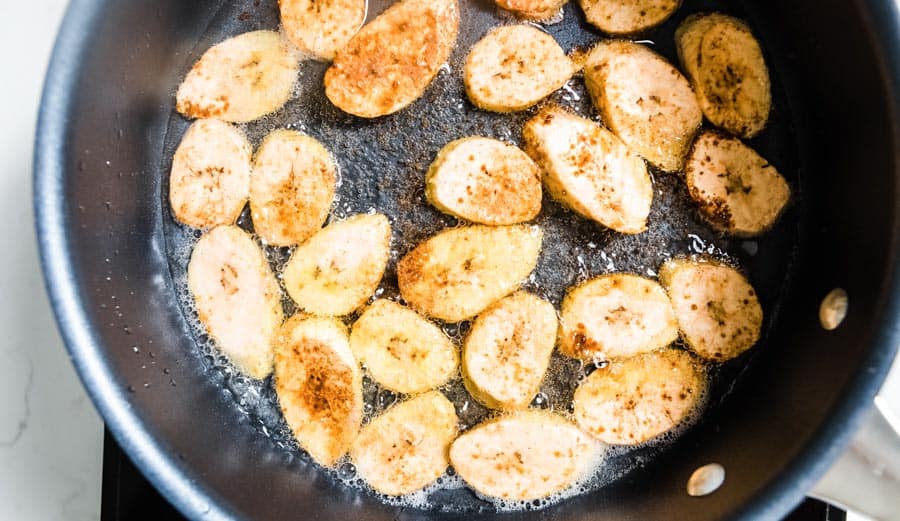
(127, 496)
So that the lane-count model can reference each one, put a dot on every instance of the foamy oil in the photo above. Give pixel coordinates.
(382, 163)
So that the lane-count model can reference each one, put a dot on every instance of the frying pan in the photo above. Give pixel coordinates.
(112, 257)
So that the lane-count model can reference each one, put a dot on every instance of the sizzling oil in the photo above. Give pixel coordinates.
(382, 165)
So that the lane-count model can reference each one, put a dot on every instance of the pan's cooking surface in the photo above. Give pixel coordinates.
(382, 165)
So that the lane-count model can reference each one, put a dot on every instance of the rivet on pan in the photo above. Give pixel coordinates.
(833, 309)
(706, 479)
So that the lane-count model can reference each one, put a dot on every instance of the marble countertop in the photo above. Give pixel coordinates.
(50, 434)
(51, 437)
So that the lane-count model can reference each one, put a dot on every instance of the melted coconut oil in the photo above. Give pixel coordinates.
(382, 163)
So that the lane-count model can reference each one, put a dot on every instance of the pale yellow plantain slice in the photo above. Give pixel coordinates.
(626, 17)
(405, 448)
(210, 178)
(539, 10)
(401, 349)
(320, 28)
(338, 268)
(240, 79)
(237, 297)
(524, 456)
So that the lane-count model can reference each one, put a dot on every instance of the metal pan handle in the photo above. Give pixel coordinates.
(866, 478)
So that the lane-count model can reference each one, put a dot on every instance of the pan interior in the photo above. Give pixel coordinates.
(382, 165)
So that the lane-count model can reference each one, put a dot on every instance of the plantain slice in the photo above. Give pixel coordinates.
(319, 386)
(458, 273)
(637, 399)
(405, 448)
(320, 28)
(508, 350)
(393, 58)
(626, 17)
(717, 309)
(210, 178)
(524, 456)
(725, 64)
(513, 67)
(240, 79)
(335, 271)
(738, 192)
(237, 297)
(590, 170)
(616, 316)
(533, 9)
(484, 181)
(644, 100)
(401, 349)
(291, 188)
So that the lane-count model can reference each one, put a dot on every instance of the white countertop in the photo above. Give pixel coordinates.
(50, 435)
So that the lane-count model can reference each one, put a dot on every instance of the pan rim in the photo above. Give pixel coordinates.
(189, 494)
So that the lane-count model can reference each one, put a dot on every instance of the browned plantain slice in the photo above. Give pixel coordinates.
(393, 58)
(739, 192)
(624, 17)
(725, 64)
(319, 386)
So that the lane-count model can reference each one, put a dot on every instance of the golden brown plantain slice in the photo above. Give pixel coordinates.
(458, 273)
(291, 188)
(393, 58)
(484, 181)
(319, 386)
